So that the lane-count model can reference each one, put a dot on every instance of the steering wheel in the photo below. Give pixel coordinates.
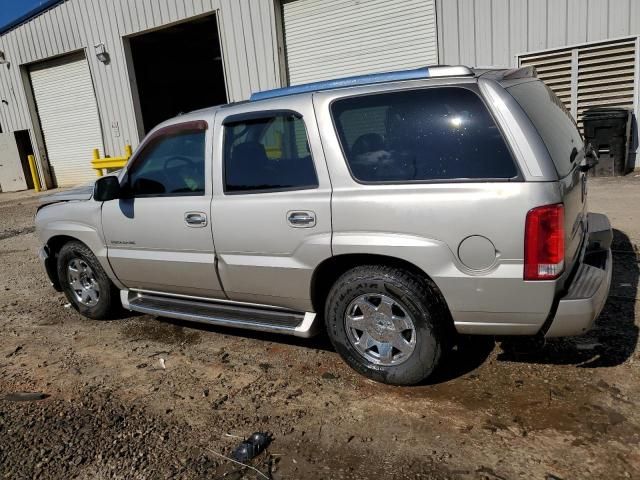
(186, 161)
(178, 158)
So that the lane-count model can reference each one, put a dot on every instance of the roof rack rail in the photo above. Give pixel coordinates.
(416, 74)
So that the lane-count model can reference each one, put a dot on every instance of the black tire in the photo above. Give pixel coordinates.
(416, 295)
(108, 302)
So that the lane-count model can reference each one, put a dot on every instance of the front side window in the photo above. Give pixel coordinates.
(421, 135)
(266, 154)
(170, 165)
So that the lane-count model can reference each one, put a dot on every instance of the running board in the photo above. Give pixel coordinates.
(225, 314)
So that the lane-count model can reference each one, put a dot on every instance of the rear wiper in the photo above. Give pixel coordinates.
(590, 158)
(573, 155)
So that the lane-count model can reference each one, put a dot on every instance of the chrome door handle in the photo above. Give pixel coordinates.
(195, 219)
(301, 219)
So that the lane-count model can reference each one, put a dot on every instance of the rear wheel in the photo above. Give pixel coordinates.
(85, 283)
(387, 323)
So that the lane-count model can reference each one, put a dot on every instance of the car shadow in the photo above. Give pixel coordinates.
(319, 342)
(611, 341)
(469, 353)
(613, 338)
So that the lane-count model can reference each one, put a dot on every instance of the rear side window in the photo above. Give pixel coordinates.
(421, 135)
(553, 122)
(266, 154)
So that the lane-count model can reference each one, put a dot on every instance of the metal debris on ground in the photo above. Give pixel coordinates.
(24, 396)
(251, 447)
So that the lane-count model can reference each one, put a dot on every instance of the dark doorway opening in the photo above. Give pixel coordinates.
(178, 69)
(23, 142)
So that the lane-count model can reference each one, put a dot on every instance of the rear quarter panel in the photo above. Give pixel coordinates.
(425, 225)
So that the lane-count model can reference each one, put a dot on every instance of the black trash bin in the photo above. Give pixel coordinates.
(607, 130)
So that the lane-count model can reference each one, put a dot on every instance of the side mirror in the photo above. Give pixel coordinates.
(106, 188)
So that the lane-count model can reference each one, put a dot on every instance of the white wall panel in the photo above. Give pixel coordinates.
(531, 24)
(483, 35)
(336, 38)
(500, 34)
(248, 40)
(556, 23)
(597, 19)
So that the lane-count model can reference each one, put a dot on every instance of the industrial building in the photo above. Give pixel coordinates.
(82, 74)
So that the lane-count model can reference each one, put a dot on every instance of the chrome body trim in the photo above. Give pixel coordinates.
(211, 300)
(192, 310)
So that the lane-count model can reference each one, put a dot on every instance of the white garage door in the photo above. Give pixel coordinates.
(68, 114)
(337, 38)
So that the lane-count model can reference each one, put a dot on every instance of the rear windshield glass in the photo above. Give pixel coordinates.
(421, 135)
(553, 122)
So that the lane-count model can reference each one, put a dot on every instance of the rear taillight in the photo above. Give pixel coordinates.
(544, 243)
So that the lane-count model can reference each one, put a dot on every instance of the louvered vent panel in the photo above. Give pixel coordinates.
(555, 70)
(606, 74)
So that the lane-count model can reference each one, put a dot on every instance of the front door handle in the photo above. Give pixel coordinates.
(196, 219)
(301, 219)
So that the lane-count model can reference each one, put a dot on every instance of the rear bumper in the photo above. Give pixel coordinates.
(587, 293)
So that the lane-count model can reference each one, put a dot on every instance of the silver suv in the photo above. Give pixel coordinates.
(397, 209)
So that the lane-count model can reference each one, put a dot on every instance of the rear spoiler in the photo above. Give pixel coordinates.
(522, 72)
(500, 74)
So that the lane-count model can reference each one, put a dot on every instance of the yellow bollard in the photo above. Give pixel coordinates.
(34, 173)
(109, 163)
(96, 156)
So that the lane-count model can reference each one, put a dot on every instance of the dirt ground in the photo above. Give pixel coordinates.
(567, 410)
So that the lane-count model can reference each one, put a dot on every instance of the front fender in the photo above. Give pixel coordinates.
(79, 220)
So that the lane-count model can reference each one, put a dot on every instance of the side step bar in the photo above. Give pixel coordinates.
(237, 315)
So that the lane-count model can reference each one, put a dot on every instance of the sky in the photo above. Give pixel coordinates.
(13, 9)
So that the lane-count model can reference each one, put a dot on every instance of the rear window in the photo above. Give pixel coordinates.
(553, 122)
(421, 135)
(268, 154)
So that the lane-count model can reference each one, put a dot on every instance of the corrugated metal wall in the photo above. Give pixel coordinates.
(248, 38)
(330, 39)
(493, 32)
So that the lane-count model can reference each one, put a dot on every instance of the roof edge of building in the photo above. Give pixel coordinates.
(34, 12)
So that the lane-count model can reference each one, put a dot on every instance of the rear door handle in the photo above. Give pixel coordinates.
(301, 219)
(196, 219)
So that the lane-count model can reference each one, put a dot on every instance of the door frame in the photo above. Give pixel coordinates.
(131, 71)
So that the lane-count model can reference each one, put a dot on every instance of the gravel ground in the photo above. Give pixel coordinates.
(568, 409)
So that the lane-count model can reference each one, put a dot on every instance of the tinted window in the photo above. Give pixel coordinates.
(268, 154)
(553, 122)
(170, 165)
(420, 135)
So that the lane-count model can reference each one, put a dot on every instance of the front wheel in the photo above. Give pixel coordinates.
(85, 283)
(386, 323)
